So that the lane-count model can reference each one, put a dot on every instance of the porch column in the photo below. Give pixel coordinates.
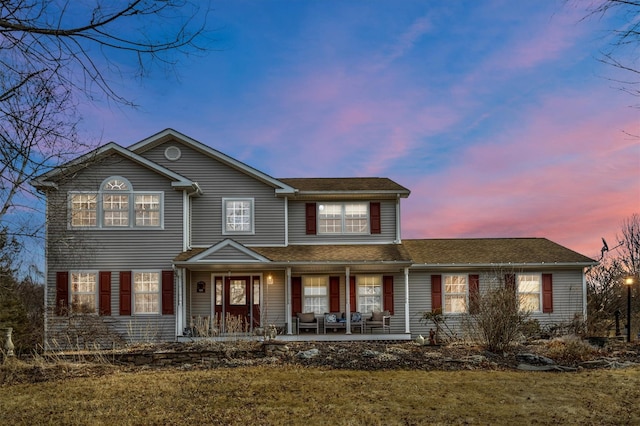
(347, 302)
(287, 296)
(406, 301)
(181, 312)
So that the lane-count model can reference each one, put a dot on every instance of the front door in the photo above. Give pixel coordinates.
(235, 301)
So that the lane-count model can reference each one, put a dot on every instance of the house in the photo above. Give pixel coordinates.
(169, 239)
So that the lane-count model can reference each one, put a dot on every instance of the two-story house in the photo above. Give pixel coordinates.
(170, 238)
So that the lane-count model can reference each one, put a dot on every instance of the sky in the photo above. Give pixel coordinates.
(496, 114)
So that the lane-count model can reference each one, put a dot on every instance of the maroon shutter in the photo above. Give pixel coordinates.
(310, 209)
(296, 295)
(167, 292)
(104, 300)
(352, 293)
(436, 293)
(125, 293)
(334, 294)
(474, 293)
(62, 293)
(374, 213)
(510, 282)
(547, 294)
(387, 293)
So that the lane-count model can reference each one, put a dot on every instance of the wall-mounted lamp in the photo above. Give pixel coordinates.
(269, 279)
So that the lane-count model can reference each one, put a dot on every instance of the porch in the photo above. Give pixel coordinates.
(308, 337)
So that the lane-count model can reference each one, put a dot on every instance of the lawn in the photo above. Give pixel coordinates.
(313, 396)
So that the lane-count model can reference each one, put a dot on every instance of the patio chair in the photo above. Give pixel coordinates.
(307, 321)
(379, 320)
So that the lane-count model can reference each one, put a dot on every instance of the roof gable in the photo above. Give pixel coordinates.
(226, 251)
(48, 180)
(171, 134)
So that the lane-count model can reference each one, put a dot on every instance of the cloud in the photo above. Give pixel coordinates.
(403, 44)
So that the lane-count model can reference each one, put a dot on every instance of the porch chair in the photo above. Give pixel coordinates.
(307, 321)
(357, 322)
(379, 320)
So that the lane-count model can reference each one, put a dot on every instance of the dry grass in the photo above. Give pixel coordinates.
(310, 396)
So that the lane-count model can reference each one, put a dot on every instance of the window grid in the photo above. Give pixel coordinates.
(455, 293)
(315, 295)
(146, 289)
(369, 294)
(238, 216)
(147, 210)
(116, 209)
(84, 210)
(83, 291)
(343, 218)
(529, 292)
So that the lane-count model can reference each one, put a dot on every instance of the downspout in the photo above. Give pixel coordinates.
(347, 295)
(398, 233)
(45, 342)
(406, 301)
(584, 296)
(286, 221)
(287, 297)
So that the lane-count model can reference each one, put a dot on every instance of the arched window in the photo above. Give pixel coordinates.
(116, 205)
(116, 199)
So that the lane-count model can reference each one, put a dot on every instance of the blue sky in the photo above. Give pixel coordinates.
(496, 114)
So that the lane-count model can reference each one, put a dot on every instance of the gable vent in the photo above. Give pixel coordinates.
(172, 153)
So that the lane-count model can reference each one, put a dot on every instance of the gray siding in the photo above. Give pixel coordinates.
(114, 250)
(218, 181)
(297, 227)
(567, 298)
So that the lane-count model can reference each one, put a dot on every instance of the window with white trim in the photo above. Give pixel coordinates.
(84, 290)
(455, 294)
(529, 288)
(84, 209)
(237, 215)
(146, 292)
(315, 294)
(343, 218)
(116, 205)
(369, 293)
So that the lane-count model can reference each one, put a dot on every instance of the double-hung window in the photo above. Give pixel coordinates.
(237, 215)
(529, 292)
(146, 292)
(455, 293)
(116, 205)
(315, 294)
(369, 293)
(343, 218)
(84, 288)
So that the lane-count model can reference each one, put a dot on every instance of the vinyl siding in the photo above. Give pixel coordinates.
(567, 298)
(297, 227)
(217, 181)
(114, 250)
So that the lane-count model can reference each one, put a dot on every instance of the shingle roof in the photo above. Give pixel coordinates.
(344, 184)
(481, 251)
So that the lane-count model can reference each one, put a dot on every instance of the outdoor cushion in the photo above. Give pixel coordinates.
(356, 317)
(377, 316)
(307, 317)
(330, 318)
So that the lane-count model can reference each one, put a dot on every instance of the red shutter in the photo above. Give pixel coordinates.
(296, 295)
(436, 293)
(334, 294)
(474, 293)
(387, 293)
(310, 209)
(125, 293)
(167, 292)
(374, 217)
(352, 293)
(62, 292)
(547, 294)
(510, 282)
(104, 300)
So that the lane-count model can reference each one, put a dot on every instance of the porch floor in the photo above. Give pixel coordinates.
(310, 337)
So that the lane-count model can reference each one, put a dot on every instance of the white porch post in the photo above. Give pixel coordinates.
(181, 312)
(406, 301)
(347, 302)
(287, 296)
